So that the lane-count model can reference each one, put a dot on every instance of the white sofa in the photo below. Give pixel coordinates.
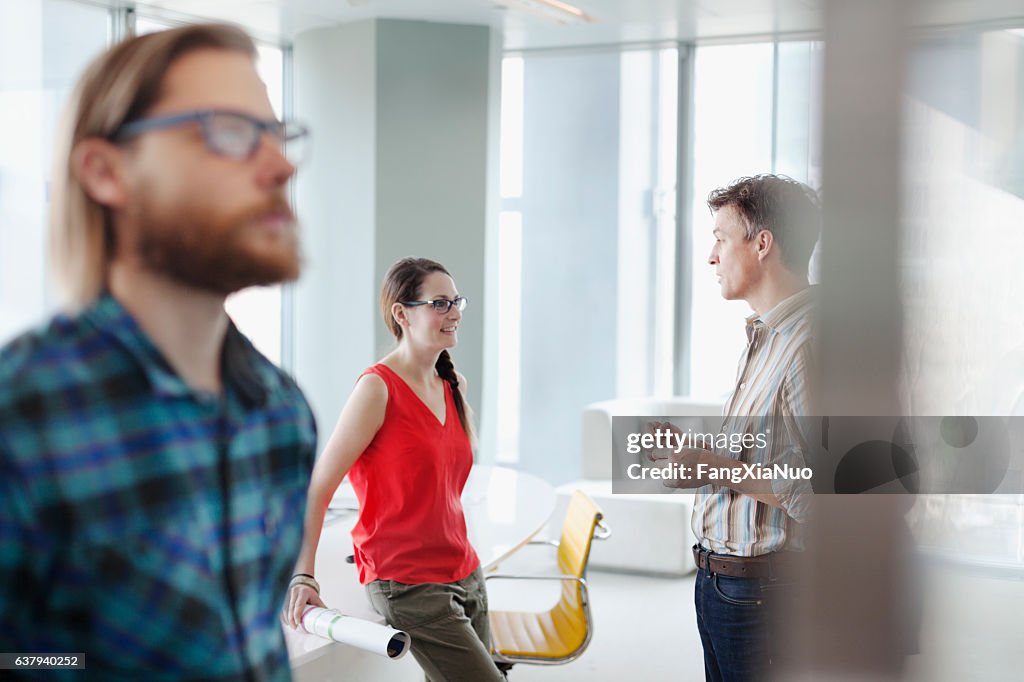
(650, 532)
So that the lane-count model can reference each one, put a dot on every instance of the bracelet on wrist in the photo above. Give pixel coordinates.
(303, 580)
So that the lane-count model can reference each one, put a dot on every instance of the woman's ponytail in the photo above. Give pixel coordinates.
(446, 370)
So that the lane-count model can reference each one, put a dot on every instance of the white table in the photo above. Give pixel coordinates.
(504, 509)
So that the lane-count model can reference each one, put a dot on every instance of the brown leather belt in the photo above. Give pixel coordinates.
(773, 565)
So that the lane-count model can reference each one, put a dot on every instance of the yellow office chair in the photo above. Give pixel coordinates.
(563, 633)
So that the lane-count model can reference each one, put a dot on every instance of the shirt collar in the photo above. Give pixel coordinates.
(786, 312)
(239, 360)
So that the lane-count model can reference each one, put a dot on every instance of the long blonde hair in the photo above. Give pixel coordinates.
(119, 86)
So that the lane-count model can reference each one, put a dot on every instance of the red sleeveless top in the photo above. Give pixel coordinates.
(409, 480)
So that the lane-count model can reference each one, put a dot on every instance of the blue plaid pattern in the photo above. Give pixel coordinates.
(146, 524)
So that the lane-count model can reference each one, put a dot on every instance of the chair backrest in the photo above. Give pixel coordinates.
(570, 616)
(578, 534)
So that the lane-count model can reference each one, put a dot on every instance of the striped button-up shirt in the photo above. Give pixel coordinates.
(145, 524)
(774, 388)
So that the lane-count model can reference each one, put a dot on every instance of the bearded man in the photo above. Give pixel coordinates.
(154, 464)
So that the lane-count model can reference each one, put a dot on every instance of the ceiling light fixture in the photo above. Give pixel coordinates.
(552, 10)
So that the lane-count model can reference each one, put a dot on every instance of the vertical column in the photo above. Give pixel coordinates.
(684, 218)
(335, 93)
(432, 150)
(487, 405)
(570, 206)
(399, 166)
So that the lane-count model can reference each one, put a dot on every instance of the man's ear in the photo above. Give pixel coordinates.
(99, 166)
(765, 244)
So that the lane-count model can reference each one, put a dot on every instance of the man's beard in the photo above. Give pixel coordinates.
(219, 254)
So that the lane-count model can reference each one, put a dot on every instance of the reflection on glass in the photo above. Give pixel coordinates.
(964, 201)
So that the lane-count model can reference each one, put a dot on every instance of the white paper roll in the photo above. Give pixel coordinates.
(334, 625)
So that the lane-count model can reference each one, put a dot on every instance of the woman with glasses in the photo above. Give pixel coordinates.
(404, 438)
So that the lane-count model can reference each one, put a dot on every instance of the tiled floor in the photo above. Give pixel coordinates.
(645, 630)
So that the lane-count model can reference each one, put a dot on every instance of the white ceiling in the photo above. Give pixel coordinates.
(616, 21)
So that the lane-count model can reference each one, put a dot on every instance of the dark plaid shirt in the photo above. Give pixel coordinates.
(150, 526)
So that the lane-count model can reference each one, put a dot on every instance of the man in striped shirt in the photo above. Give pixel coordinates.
(748, 526)
(153, 464)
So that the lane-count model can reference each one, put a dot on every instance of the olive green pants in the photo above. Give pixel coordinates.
(448, 625)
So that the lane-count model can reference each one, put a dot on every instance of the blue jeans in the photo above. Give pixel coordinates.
(736, 618)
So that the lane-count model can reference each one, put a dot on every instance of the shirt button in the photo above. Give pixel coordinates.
(743, 385)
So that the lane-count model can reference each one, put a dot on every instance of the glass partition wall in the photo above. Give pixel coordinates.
(604, 292)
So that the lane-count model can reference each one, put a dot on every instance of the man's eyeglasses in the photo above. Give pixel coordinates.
(233, 134)
(441, 305)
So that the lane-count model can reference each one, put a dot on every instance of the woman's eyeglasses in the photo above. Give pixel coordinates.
(233, 134)
(441, 305)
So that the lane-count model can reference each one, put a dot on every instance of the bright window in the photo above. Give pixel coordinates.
(586, 243)
(755, 111)
(43, 48)
(589, 249)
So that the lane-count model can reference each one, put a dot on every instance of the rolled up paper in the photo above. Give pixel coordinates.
(334, 625)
